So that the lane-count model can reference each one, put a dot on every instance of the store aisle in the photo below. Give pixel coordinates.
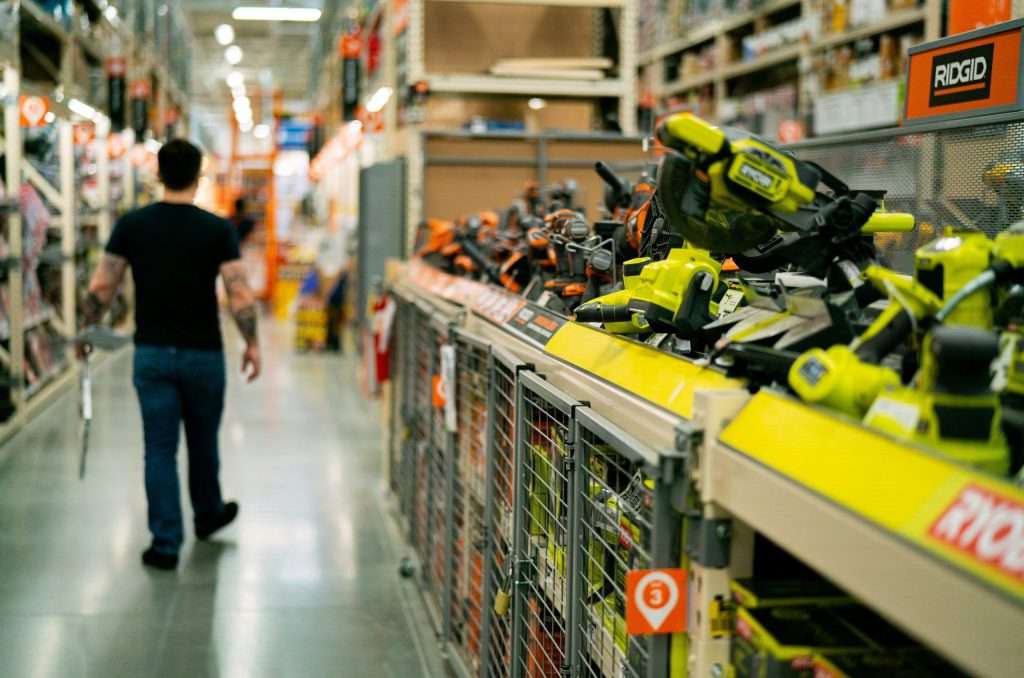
(304, 584)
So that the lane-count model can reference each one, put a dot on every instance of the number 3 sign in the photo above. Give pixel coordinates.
(655, 601)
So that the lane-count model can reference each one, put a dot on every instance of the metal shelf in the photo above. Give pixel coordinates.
(711, 30)
(892, 22)
(861, 510)
(492, 84)
(767, 60)
(42, 19)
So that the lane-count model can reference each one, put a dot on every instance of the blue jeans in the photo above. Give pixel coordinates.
(174, 386)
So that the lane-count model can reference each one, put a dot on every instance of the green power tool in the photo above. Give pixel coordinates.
(947, 314)
(730, 193)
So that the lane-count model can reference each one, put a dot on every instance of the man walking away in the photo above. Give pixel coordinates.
(176, 251)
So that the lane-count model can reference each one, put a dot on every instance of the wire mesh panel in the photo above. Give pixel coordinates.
(971, 176)
(496, 656)
(422, 436)
(615, 498)
(435, 568)
(401, 373)
(542, 530)
(472, 378)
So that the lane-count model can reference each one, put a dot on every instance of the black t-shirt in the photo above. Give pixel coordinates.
(175, 252)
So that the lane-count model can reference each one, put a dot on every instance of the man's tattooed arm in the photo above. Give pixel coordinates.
(105, 280)
(240, 299)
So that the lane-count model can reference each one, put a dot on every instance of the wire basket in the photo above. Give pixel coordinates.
(472, 378)
(542, 530)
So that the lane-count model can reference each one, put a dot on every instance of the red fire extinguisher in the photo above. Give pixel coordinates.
(383, 321)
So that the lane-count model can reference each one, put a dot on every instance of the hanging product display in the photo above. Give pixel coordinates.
(350, 46)
(117, 68)
(140, 90)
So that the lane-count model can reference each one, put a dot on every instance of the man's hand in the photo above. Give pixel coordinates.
(251, 363)
(243, 308)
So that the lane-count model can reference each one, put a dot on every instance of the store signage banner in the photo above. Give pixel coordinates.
(970, 74)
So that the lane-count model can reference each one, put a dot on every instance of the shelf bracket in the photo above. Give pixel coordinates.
(51, 194)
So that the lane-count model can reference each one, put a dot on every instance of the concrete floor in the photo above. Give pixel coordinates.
(304, 584)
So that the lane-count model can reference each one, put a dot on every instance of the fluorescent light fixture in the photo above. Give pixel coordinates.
(111, 13)
(378, 100)
(49, 117)
(241, 104)
(245, 126)
(83, 109)
(225, 34)
(235, 80)
(152, 145)
(261, 131)
(536, 103)
(233, 55)
(275, 14)
(243, 115)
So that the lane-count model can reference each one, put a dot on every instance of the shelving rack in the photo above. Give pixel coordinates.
(709, 457)
(40, 55)
(796, 57)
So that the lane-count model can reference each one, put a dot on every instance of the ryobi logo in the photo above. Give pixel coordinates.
(762, 179)
(964, 75)
(987, 527)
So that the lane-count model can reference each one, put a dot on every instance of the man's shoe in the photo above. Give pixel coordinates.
(230, 512)
(160, 561)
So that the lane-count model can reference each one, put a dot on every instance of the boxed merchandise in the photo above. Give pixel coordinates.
(762, 593)
(783, 641)
(917, 663)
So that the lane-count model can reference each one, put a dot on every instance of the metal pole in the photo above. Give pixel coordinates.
(490, 461)
(68, 289)
(519, 548)
(16, 313)
(103, 178)
(665, 548)
(575, 552)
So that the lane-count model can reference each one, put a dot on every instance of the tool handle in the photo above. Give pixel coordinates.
(604, 313)
(889, 222)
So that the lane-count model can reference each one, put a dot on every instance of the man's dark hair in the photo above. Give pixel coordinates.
(179, 163)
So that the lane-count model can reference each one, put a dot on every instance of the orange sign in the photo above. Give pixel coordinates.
(83, 133)
(967, 15)
(975, 73)
(440, 392)
(655, 601)
(32, 110)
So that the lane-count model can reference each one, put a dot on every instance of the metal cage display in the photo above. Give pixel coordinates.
(472, 368)
(543, 529)
(499, 507)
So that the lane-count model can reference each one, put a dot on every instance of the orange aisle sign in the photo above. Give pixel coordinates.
(969, 74)
(655, 601)
(32, 110)
(440, 392)
(966, 15)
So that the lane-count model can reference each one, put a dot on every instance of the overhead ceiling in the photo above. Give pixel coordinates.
(276, 54)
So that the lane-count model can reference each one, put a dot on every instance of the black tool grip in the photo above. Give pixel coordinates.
(887, 339)
(610, 177)
(604, 313)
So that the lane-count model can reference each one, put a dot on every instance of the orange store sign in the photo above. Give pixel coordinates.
(968, 74)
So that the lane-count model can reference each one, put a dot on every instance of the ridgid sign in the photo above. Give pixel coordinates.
(968, 74)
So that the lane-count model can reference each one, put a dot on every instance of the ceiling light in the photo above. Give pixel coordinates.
(225, 34)
(161, 10)
(275, 14)
(83, 109)
(233, 55)
(245, 125)
(261, 131)
(241, 104)
(378, 100)
(49, 117)
(111, 13)
(536, 103)
(237, 92)
(235, 79)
